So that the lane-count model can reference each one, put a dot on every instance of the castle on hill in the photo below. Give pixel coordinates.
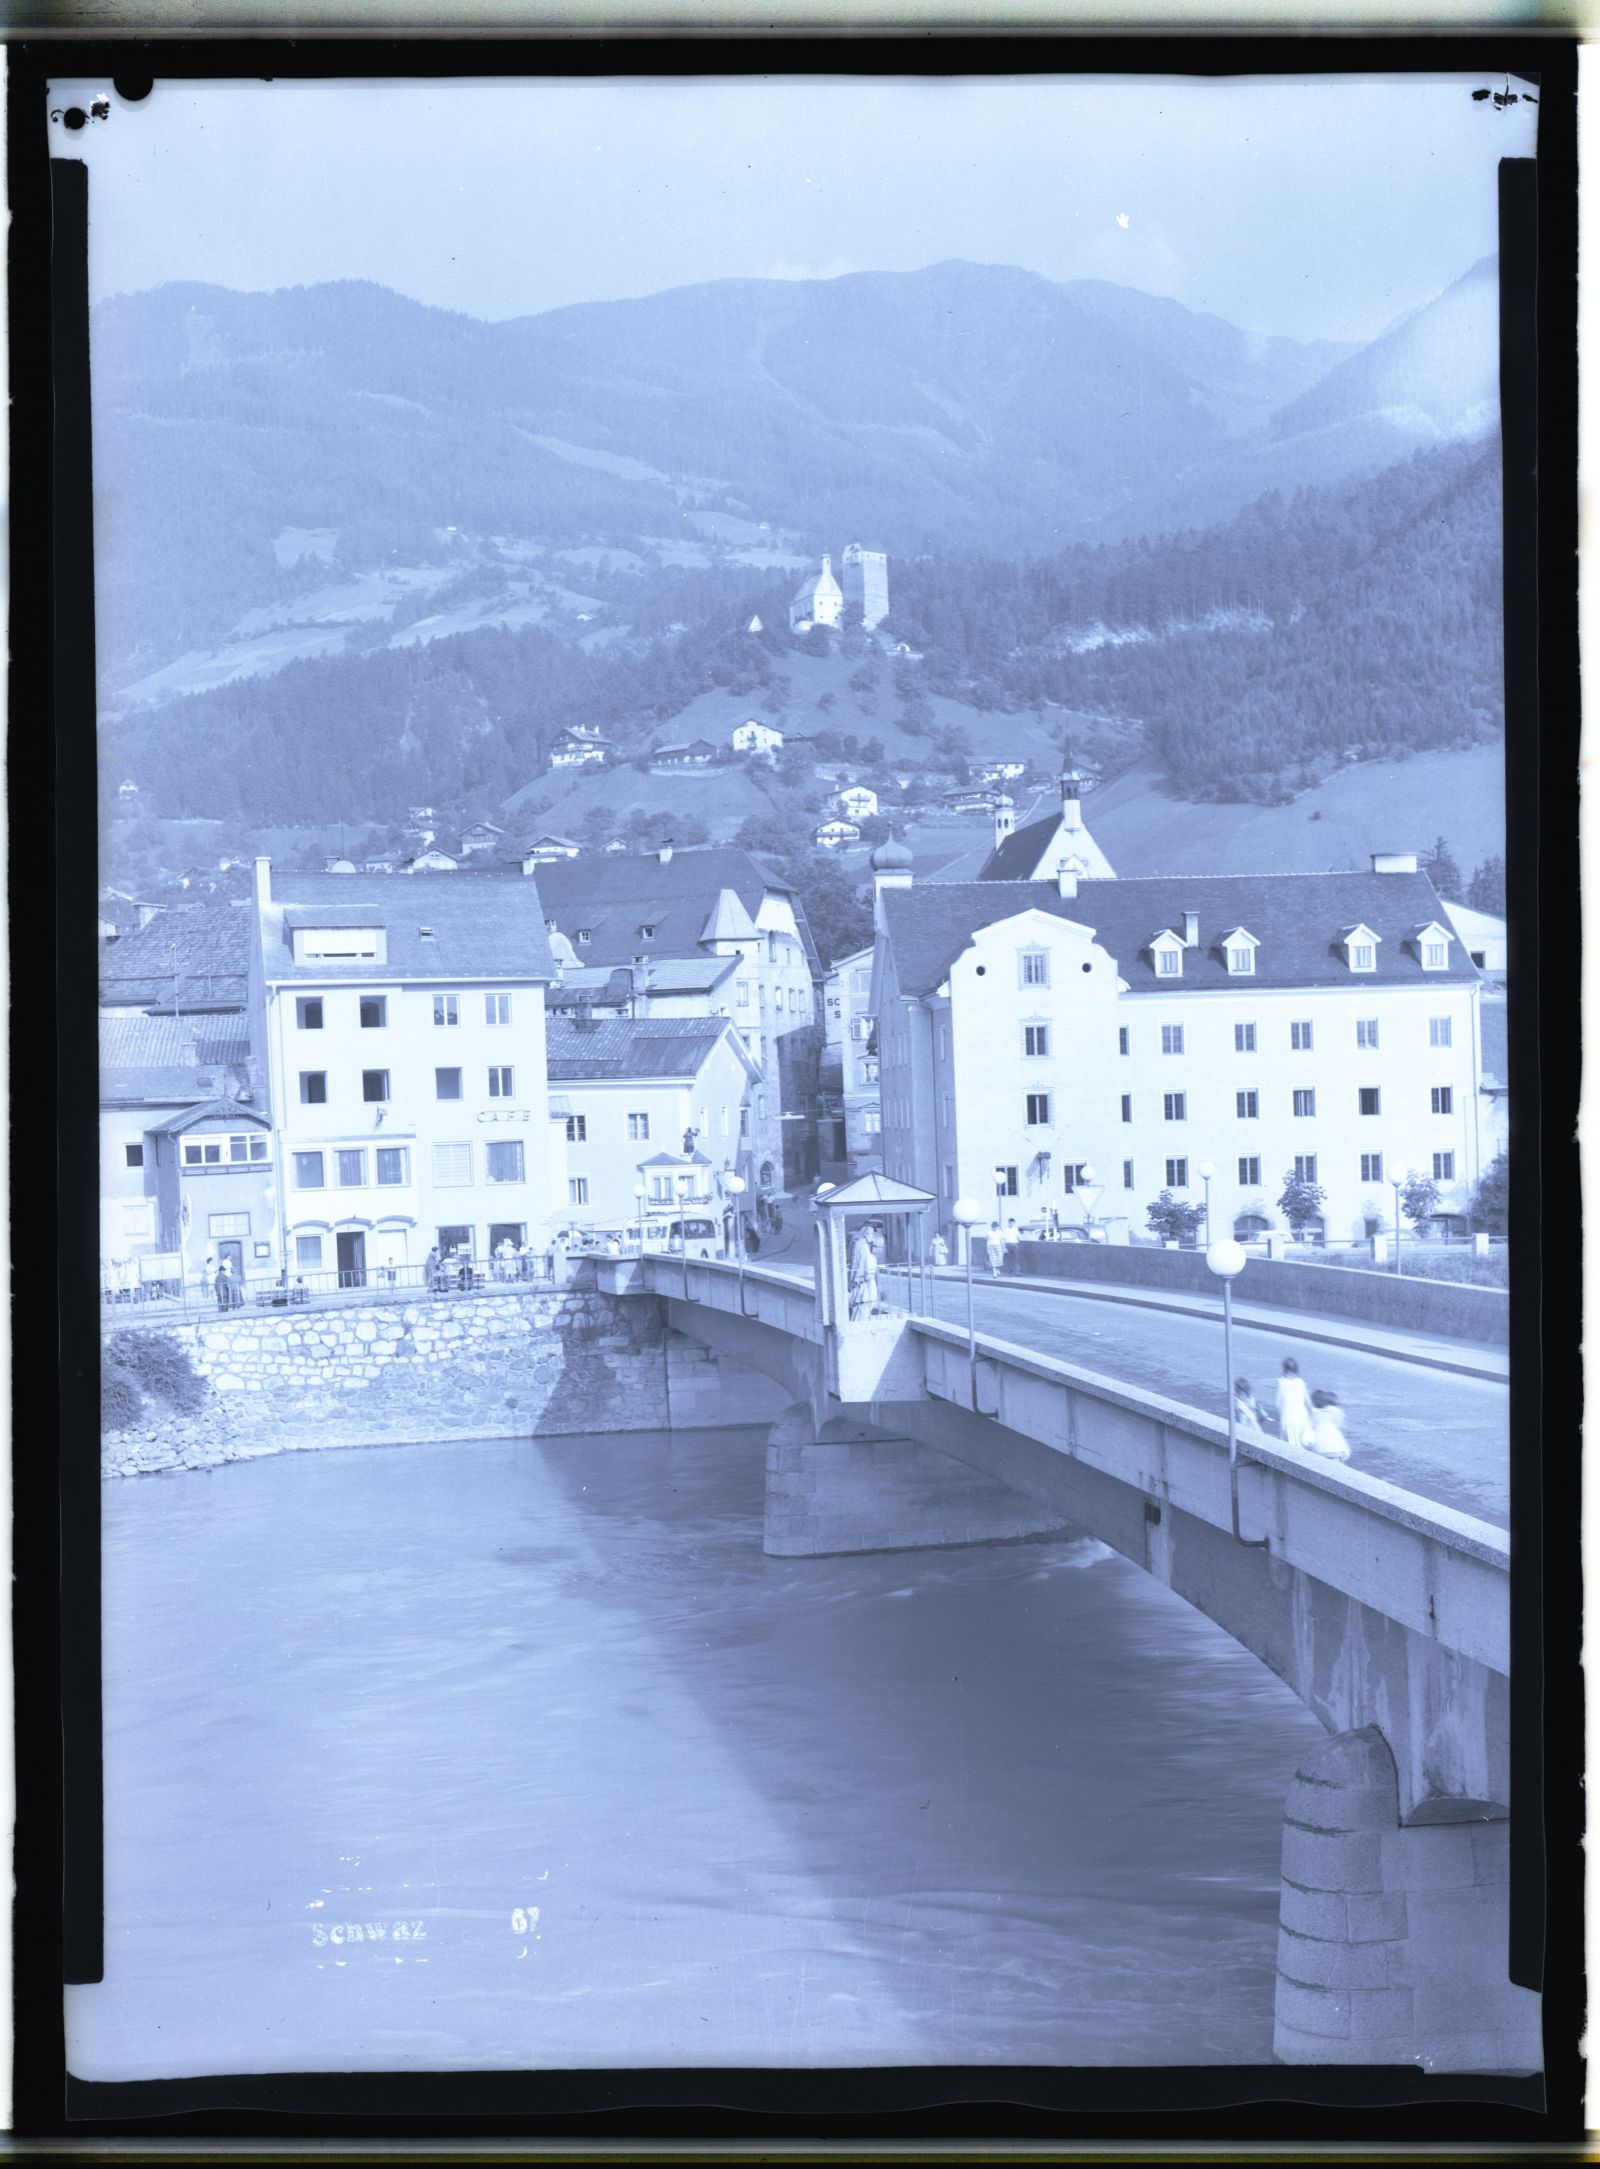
(820, 600)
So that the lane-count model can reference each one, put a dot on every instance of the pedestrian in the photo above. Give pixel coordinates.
(1009, 1242)
(225, 1285)
(1248, 1413)
(992, 1243)
(430, 1271)
(939, 1252)
(1296, 1422)
(505, 1252)
(752, 1241)
(525, 1258)
(1328, 1436)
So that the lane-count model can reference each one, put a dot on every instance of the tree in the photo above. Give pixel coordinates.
(1491, 1200)
(1487, 891)
(1174, 1223)
(1301, 1202)
(1419, 1197)
(1442, 870)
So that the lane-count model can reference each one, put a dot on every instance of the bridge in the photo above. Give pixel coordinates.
(1386, 1612)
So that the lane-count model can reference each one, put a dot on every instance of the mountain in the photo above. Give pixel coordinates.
(332, 468)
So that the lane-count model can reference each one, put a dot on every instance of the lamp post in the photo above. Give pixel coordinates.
(967, 1212)
(1207, 1170)
(1227, 1260)
(735, 1187)
(1089, 1191)
(1397, 1186)
(639, 1193)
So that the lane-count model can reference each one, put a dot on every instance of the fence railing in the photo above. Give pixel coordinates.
(168, 1299)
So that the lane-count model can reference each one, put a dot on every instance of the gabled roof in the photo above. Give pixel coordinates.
(615, 896)
(228, 1111)
(212, 945)
(931, 923)
(1030, 853)
(614, 1048)
(489, 927)
(677, 1160)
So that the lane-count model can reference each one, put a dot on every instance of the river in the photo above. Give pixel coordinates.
(599, 1784)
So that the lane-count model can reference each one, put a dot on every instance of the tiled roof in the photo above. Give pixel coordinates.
(1297, 917)
(138, 1042)
(212, 1110)
(624, 1047)
(492, 927)
(614, 896)
(212, 943)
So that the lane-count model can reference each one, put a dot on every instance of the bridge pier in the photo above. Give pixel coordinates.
(852, 1486)
(1392, 1939)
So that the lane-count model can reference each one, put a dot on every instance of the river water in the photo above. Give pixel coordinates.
(601, 1785)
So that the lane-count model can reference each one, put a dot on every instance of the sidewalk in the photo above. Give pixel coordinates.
(1432, 1351)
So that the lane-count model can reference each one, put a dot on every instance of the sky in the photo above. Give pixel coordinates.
(1318, 208)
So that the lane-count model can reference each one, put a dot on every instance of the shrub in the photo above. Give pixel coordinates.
(120, 1398)
(159, 1366)
(1174, 1222)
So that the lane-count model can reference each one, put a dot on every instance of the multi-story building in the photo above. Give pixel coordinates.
(866, 584)
(400, 1030)
(660, 916)
(850, 1065)
(755, 736)
(657, 1102)
(1320, 1025)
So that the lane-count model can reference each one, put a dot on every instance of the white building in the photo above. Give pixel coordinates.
(818, 600)
(1482, 935)
(850, 1061)
(545, 850)
(401, 1033)
(481, 836)
(866, 584)
(663, 1102)
(1039, 850)
(834, 834)
(581, 746)
(756, 737)
(1322, 1024)
(857, 802)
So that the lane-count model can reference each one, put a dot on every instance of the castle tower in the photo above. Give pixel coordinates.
(866, 584)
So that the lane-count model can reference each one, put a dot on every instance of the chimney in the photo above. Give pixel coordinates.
(263, 881)
(1191, 930)
(665, 853)
(1394, 862)
(1067, 878)
(582, 1018)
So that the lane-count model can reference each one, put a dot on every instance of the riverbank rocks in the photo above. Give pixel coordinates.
(502, 1364)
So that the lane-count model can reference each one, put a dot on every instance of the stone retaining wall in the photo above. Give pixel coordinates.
(545, 1362)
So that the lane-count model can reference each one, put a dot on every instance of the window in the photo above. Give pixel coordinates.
(1300, 1037)
(1177, 1174)
(577, 1129)
(1175, 1106)
(1444, 1167)
(352, 1168)
(375, 1085)
(505, 1160)
(1241, 962)
(133, 1155)
(1366, 1031)
(741, 993)
(452, 1166)
(313, 1087)
(1038, 1108)
(308, 1170)
(1363, 956)
(341, 944)
(1036, 1039)
(1244, 1039)
(497, 1009)
(202, 1152)
(1122, 1039)
(1438, 1031)
(1127, 1174)
(761, 995)
(1433, 956)
(446, 1009)
(1172, 1039)
(584, 934)
(1368, 1100)
(447, 1084)
(215, 1151)
(1372, 1167)
(452, 1239)
(648, 929)
(1074, 1177)
(1305, 1103)
(374, 1011)
(1005, 1181)
(308, 1012)
(393, 1166)
(1035, 967)
(1247, 1106)
(639, 1128)
(1127, 1106)
(1249, 1172)
(1305, 1167)
(578, 1190)
(501, 1082)
(1169, 963)
(308, 1253)
(227, 1223)
(1444, 1099)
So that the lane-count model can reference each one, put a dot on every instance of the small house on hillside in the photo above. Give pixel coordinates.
(835, 834)
(999, 770)
(545, 850)
(857, 802)
(968, 799)
(581, 746)
(756, 737)
(429, 862)
(699, 753)
(482, 836)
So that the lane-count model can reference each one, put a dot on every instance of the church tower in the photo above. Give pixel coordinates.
(866, 584)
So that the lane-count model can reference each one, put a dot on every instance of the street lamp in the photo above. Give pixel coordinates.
(1227, 1260)
(1397, 1186)
(967, 1212)
(640, 1193)
(735, 1186)
(1089, 1191)
(1207, 1170)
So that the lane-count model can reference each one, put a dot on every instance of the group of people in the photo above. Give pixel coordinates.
(230, 1292)
(1312, 1420)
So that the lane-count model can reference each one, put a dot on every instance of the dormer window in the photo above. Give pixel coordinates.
(648, 930)
(1167, 950)
(1240, 948)
(583, 933)
(338, 945)
(1433, 946)
(1360, 946)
